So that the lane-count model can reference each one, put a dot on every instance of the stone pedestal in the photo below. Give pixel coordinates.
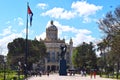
(62, 68)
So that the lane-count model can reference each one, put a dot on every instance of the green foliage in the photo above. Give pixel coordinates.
(84, 56)
(17, 50)
(74, 58)
(10, 75)
(1, 62)
(110, 25)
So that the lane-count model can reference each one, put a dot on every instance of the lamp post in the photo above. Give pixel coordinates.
(19, 65)
(5, 67)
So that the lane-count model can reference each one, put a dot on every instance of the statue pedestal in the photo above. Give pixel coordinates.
(62, 68)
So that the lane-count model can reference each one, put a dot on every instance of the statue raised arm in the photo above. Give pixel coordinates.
(63, 51)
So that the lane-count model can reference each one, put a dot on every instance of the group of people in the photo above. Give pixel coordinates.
(72, 73)
(83, 72)
(92, 73)
(38, 73)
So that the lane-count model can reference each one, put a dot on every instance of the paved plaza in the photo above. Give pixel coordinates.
(57, 77)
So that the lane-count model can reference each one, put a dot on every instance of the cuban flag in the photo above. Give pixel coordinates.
(30, 14)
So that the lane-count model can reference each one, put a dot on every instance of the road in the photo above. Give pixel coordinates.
(57, 77)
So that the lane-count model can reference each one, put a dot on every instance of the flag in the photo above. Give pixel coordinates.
(30, 14)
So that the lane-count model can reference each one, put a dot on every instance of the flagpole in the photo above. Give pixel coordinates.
(26, 51)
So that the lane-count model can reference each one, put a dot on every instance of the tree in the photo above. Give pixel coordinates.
(84, 56)
(1, 62)
(102, 60)
(16, 51)
(91, 56)
(110, 25)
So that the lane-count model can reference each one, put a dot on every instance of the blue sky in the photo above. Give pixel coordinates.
(74, 19)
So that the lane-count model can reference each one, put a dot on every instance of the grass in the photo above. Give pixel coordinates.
(10, 75)
(110, 76)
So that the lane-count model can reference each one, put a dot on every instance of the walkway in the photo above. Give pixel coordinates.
(57, 77)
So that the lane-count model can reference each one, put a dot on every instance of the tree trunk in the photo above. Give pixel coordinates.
(117, 75)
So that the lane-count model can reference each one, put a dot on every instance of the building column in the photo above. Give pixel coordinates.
(45, 64)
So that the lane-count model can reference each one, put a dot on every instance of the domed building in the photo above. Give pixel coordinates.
(53, 43)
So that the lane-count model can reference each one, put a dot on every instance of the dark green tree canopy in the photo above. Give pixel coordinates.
(84, 56)
(17, 49)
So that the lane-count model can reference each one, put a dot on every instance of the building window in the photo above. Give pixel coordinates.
(58, 56)
(48, 57)
(53, 57)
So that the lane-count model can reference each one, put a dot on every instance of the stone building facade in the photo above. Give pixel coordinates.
(53, 43)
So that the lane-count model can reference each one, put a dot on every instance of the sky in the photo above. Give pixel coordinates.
(76, 19)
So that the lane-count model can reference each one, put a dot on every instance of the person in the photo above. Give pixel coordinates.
(70, 73)
(73, 73)
(40, 73)
(47, 73)
(81, 72)
(94, 73)
(84, 72)
(91, 73)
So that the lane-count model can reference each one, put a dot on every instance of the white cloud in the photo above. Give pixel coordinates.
(9, 36)
(6, 31)
(82, 37)
(42, 5)
(30, 32)
(59, 13)
(19, 21)
(78, 9)
(42, 36)
(87, 20)
(84, 8)
(8, 22)
(80, 34)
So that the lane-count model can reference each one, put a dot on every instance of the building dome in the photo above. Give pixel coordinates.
(52, 32)
(52, 26)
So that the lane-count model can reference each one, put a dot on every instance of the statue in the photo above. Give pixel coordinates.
(63, 51)
(63, 65)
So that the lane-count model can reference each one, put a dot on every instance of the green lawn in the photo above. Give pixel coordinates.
(111, 76)
(10, 75)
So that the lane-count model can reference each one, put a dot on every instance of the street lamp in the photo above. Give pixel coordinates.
(5, 60)
(19, 65)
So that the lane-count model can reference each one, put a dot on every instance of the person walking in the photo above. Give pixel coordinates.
(47, 73)
(94, 73)
(81, 72)
(91, 74)
(84, 72)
